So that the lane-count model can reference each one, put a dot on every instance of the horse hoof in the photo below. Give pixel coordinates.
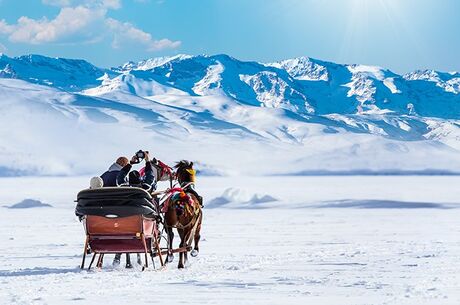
(129, 266)
(180, 266)
(194, 253)
(170, 258)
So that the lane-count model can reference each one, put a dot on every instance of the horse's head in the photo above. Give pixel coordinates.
(185, 172)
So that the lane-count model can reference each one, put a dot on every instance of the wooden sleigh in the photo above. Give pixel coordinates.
(119, 220)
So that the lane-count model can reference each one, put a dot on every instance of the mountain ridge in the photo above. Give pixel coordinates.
(316, 116)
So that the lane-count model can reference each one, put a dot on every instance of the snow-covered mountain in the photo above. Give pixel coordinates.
(66, 116)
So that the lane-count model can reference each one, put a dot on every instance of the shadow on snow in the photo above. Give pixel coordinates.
(38, 271)
(381, 204)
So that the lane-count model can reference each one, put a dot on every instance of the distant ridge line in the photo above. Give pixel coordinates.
(372, 173)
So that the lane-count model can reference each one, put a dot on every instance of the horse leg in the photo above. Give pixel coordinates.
(197, 238)
(139, 261)
(181, 245)
(170, 233)
(128, 261)
(186, 258)
(188, 242)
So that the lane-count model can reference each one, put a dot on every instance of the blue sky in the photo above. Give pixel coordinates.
(402, 35)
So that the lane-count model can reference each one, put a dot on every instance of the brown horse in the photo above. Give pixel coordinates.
(186, 216)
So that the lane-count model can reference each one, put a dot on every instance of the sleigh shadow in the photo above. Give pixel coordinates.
(38, 271)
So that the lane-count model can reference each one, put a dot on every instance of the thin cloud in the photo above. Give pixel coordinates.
(125, 33)
(110, 4)
(3, 48)
(5, 28)
(84, 23)
(60, 3)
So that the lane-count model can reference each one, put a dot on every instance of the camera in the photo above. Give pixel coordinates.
(140, 154)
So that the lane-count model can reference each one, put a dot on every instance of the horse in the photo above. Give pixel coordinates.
(187, 218)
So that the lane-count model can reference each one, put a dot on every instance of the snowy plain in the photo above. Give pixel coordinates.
(326, 240)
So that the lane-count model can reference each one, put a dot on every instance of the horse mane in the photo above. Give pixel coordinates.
(181, 170)
(183, 164)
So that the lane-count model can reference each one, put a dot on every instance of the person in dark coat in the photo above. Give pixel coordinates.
(110, 176)
(134, 179)
(147, 182)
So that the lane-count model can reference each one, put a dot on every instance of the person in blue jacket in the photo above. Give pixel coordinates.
(127, 177)
(110, 176)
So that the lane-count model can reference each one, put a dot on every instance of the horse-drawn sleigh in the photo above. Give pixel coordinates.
(132, 220)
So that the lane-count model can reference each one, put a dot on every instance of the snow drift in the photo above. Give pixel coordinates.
(28, 204)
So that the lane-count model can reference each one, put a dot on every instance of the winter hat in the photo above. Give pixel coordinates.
(96, 182)
(134, 178)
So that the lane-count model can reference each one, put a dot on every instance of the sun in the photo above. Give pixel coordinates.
(373, 7)
(365, 15)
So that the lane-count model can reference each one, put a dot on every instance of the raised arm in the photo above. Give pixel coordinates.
(149, 176)
(121, 177)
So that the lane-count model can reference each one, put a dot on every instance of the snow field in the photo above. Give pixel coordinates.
(297, 249)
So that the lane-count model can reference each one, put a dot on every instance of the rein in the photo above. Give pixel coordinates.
(168, 170)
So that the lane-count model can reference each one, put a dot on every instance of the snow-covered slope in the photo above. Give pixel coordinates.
(67, 74)
(62, 116)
